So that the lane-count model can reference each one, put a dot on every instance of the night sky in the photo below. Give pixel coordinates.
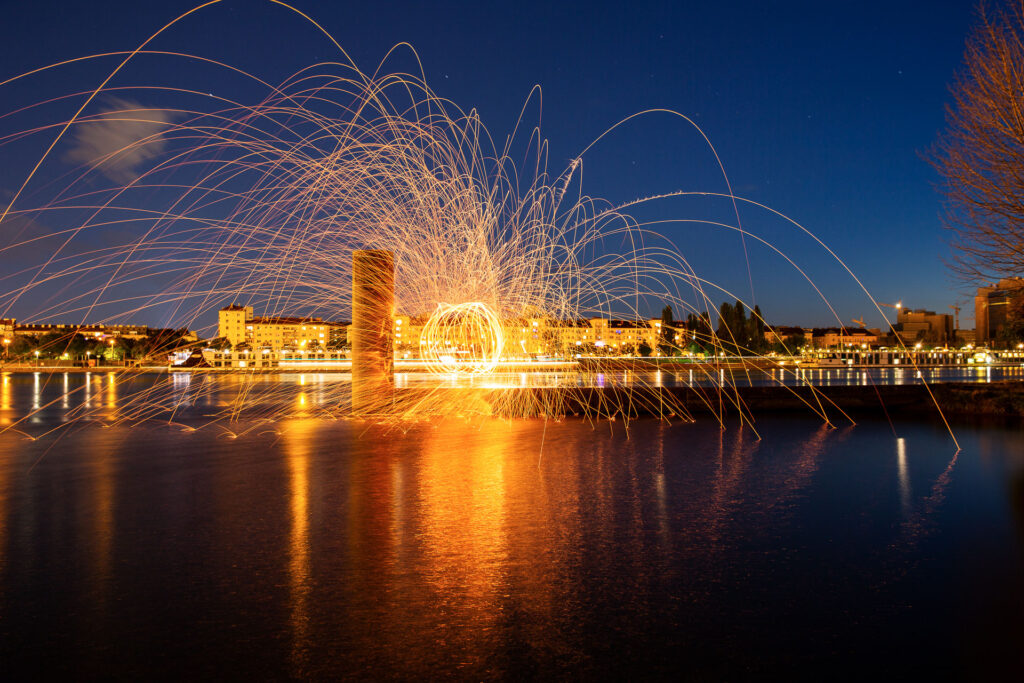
(818, 110)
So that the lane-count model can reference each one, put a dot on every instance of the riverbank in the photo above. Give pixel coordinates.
(77, 369)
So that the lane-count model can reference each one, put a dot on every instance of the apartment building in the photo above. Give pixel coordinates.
(238, 325)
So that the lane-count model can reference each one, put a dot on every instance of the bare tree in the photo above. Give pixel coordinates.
(980, 154)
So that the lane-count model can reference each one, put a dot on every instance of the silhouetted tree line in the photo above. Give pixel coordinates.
(55, 345)
(738, 333)
(695, 334)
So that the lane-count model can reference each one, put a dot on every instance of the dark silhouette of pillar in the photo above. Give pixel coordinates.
(372, 331)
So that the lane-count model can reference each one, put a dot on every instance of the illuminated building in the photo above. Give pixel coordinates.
(97, 331)
(523, 337)
(539, 336)
(531, 337)
(991, 306)
(926, 325)
(781, 334)
(238, 325)
(829, 337)
(266, 359)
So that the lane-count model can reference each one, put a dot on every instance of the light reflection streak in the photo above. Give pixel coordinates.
(100, 539)
(7, 460)
(297, 439)
(399, 514)
(664, 526)
(903, 476)
(918, 518)
(111, 392)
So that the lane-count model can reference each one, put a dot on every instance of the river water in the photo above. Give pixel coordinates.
(504, 549)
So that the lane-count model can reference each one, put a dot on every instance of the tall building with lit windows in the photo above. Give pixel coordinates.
(232, 321)
(238, 325)
(991, 307)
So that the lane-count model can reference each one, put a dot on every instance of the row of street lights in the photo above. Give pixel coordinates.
(88, 354)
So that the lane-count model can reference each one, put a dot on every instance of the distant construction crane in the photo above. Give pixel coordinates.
(956, 317)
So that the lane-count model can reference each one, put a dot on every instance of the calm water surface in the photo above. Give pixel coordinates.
(495, 549)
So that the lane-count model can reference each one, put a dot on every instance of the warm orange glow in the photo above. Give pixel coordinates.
(297, 439)
(464, 337)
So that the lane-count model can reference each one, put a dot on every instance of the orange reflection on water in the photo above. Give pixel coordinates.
(7, 451)
(100, 530)
(111, 402)
(87, 392)
(462, 496)
(297, 439)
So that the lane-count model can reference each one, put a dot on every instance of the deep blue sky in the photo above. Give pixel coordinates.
(819, 110)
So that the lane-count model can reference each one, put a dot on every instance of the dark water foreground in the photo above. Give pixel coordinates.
(513, 550)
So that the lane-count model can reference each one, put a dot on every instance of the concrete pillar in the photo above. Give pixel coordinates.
(372, 331)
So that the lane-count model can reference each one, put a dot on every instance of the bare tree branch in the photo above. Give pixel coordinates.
(980, 154)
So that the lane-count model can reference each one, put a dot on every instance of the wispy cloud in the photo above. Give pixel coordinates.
(120, 139)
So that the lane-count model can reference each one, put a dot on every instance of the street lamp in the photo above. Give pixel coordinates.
(37, 358)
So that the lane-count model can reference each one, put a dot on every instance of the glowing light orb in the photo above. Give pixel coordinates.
(463, 338)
